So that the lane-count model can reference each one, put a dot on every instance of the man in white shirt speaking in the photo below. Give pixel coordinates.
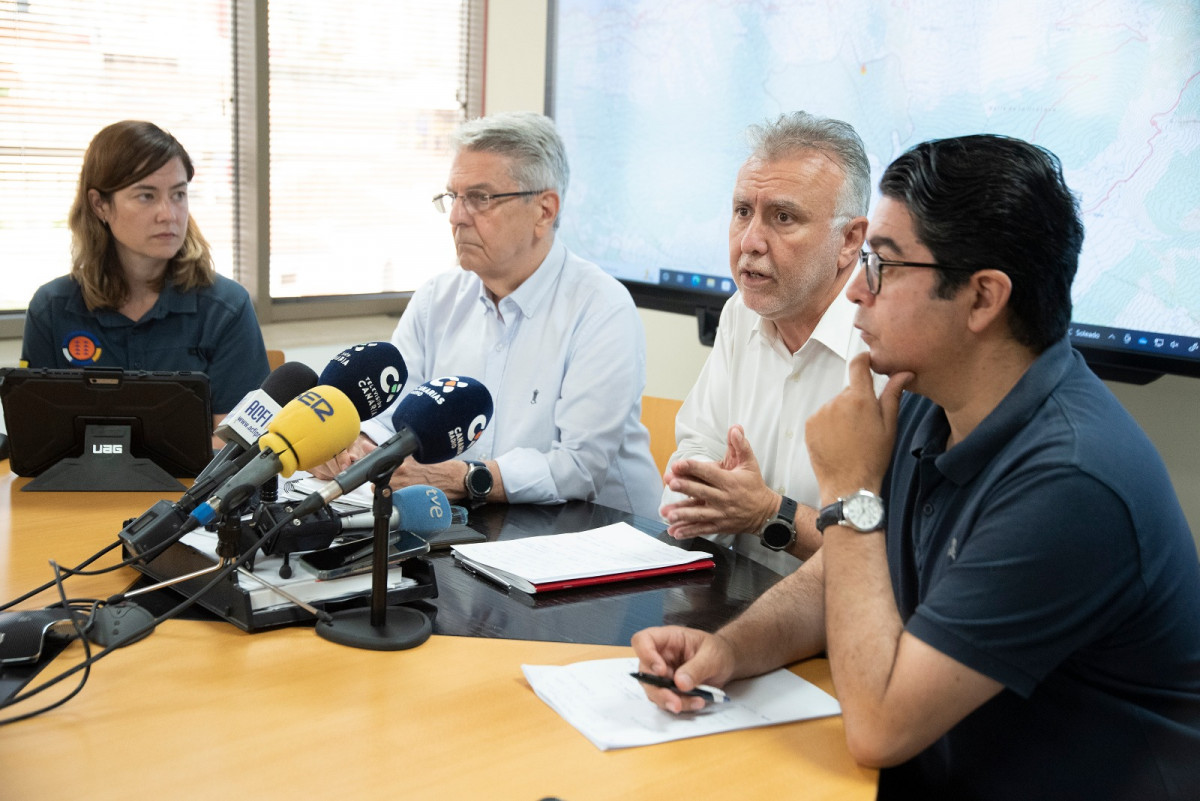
(784, 343)
(556, 340)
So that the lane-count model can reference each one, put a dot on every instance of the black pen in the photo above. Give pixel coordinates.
(714, 695)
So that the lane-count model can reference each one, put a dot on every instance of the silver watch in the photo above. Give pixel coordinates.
(861, 511)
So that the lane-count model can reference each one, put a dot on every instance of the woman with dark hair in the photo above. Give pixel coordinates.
(142, 293)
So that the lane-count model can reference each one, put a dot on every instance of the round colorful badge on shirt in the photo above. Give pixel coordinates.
(81, 348)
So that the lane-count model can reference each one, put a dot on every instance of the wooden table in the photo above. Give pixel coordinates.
(201, 709)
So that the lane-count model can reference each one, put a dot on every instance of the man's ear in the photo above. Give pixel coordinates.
(854, 235)
(991, 290)
(549, 203)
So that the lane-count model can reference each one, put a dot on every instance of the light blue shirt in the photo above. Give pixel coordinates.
(564, 357)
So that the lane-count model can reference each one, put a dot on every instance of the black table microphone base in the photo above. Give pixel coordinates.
(403, 628)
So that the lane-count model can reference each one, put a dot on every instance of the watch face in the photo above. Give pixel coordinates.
(864, 512)
(479, 480)
(777, 535)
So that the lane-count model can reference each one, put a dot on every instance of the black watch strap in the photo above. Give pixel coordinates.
(787, 510)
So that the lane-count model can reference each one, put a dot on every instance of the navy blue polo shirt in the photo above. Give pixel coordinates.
(212, 330)
(1048, 551)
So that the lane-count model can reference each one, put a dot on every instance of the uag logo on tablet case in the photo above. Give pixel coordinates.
(81, 348)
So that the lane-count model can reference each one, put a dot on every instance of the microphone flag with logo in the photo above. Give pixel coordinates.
(371, 374)
(437, 421)
(248, 421)
(308, 431)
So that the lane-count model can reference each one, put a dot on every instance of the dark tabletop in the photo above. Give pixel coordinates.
(467, 605)
(608, 614)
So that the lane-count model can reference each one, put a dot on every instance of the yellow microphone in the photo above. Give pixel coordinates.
(309, 430)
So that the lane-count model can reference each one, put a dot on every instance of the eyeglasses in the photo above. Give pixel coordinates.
(475, 201)
(873, 268)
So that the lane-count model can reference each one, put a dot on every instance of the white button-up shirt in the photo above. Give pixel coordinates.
(751, 378)
(564, 357)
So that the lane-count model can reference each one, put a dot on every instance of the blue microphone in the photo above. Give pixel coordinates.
(421, 509)
(371, 374)
(437, 421)
(418, 510)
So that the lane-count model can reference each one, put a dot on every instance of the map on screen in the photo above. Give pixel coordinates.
(653, 98)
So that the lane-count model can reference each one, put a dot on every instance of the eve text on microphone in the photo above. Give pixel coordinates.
(419, 509)
(422, 509)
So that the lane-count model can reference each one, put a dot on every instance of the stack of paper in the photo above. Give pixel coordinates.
(609, 707)
(559, 561)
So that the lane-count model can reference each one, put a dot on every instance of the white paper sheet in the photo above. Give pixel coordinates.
(609, 707)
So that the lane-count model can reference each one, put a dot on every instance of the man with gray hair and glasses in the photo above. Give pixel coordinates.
(556, 340)
(740, 472)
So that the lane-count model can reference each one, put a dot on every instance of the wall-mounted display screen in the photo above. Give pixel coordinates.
(653, 98)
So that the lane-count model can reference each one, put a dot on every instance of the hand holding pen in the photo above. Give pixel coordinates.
(713, 695)
(676, 658)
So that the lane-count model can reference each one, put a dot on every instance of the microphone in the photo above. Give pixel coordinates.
(160, 522)
(437, 421)
(422, 511)
(371, 374)
(309, 430)
(248, 420)
(419, 509)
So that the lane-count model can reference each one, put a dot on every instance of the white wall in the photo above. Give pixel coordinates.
(1168, 409)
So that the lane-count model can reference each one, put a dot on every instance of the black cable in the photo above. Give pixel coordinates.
(70, 571)
(90, 660)
(78, 570)
(87, 654)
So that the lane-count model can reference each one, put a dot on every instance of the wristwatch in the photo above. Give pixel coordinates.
(478, 483)
(861, 511)
(779, 532)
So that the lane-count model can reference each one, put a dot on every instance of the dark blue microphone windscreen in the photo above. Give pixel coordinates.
(371, 374)
(446, 415)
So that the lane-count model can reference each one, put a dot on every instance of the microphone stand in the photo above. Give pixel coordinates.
(372, 628)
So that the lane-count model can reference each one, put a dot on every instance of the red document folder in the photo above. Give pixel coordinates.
(525, 586)
(561, 561)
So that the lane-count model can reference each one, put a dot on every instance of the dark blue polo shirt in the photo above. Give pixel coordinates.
(211, 330)
(1048, 551)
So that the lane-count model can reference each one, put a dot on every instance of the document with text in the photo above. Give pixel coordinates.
(609, 707)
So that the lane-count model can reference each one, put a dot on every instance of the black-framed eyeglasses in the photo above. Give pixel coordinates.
(475, 201)
(873, 265)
